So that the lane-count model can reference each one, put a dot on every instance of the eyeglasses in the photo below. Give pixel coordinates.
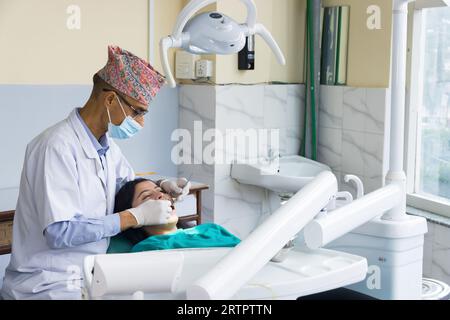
(137, 112)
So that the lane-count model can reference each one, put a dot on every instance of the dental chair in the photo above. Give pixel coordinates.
(261, 267)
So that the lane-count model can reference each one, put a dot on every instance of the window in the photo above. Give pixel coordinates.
(428, 149)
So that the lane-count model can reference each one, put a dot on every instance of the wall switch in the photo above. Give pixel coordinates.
(185, 65)
(203, 69)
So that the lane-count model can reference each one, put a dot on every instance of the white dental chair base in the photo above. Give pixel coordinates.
(302, 273)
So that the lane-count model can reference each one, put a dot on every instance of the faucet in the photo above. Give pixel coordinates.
(273, 154)
(271, 162)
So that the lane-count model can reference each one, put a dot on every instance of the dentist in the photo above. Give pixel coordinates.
(70, 177)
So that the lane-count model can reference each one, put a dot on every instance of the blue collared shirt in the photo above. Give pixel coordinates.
(81, 230)
(101, 145)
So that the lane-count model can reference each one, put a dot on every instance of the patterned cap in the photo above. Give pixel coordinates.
(131, 75)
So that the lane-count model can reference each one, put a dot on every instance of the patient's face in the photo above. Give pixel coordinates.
(147, 190)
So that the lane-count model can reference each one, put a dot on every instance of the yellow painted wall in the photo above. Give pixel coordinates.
(286, 20)
(166, 13)
(369, 55)
(38, 48)
(41, 50)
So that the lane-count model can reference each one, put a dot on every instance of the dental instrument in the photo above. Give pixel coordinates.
(177, 189)
(213, 33)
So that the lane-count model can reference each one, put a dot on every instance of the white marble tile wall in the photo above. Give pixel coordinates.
(237, 207)
(436, 255)
(197, 104)
(352, 133)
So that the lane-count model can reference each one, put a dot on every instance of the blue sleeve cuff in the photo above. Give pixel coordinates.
(112, 225)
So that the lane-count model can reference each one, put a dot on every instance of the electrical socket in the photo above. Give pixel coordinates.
(203, 69)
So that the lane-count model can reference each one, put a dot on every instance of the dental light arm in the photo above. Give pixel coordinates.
(164, 46)
(253, 253)
(265, 34)
(339, 222)
(219, 34)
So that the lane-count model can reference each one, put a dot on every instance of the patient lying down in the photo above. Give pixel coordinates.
(162, 237)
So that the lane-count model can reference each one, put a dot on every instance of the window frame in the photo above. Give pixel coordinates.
(412, 139)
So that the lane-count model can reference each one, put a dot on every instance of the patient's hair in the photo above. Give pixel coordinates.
(123, 202)
(124, 198)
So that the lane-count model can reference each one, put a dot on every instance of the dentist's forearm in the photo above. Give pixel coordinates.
(81, 230)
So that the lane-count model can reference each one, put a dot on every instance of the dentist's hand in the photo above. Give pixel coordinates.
(152, 213)
(177, 189)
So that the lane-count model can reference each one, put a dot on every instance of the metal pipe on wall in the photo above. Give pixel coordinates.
(312, 67)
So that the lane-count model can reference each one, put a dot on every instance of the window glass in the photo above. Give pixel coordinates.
(433, 178)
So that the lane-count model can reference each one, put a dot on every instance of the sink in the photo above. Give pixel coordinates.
(289, 174)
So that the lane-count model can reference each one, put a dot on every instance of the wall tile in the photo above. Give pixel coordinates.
(441, 253)
(441, 259)
(295, 106)
(430, 234)
(439, 274)
(441, 235)
(291, 141)
(239, 107)
(372, 183)
(352, 153)
(365, 109)
(331, 106)
(330, 148)
(198, 99)
(354, 109)
(436, 261)
(373, 155)
(192, 168)
(427, 257)
(376, 110)
(275, 106)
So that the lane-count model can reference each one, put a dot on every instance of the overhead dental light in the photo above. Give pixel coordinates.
(213, 33)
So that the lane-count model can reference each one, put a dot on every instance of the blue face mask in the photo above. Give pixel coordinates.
(128, 128)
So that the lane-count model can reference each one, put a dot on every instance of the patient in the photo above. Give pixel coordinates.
(162, 237)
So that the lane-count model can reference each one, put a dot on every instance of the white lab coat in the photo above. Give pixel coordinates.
(62, 177)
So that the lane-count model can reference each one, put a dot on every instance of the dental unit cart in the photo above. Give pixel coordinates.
(304, 272)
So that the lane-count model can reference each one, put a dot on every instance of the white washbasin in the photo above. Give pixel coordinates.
(290, 174)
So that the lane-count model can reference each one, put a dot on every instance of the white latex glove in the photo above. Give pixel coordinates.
(152, 213)
(177, 189)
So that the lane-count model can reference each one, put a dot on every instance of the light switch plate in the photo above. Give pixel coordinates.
(185, 65)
